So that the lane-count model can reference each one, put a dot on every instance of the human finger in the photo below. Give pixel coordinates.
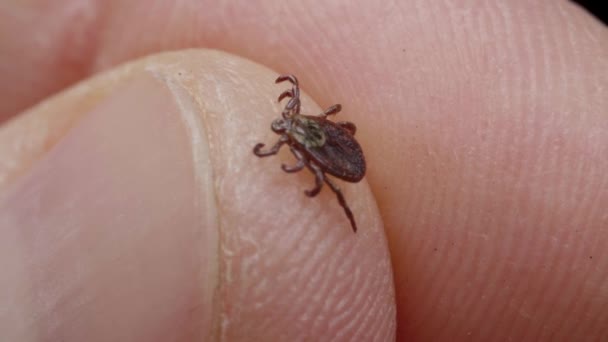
(149, 218)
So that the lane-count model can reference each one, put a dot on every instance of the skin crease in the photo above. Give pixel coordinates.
(484, 127)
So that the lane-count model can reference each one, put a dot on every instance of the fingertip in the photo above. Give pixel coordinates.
(295, 267)
(266, 261)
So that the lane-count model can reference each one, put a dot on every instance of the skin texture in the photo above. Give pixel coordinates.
(483, 123)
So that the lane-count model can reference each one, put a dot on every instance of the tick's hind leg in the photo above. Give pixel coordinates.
(342, 201)
(333, 110)
(273, 150)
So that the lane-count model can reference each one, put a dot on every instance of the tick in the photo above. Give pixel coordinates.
(320, 145)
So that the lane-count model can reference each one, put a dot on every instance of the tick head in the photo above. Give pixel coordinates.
(279, 126)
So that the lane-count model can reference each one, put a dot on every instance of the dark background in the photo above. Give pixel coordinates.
(596, 7)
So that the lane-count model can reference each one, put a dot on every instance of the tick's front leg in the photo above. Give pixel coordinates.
(288, 77)
(293, 106)
(273, 150)
(286, 93)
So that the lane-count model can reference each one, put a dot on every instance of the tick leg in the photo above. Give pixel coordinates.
(349, 126)
(319, 177)
(342, 201)
(291, 169)
(273, 150)
(293, 106)
(287, 77)
(299, 165)
(333, 110)
(286, 93)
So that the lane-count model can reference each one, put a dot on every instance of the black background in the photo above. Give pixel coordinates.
(597, 8)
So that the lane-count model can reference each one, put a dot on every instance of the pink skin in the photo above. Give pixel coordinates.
(484, 129)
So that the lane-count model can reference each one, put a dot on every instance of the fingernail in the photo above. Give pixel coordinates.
(113, 228)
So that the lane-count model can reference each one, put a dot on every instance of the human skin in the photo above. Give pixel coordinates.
(485, 129)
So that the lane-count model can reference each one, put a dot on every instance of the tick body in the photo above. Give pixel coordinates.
(321, 145)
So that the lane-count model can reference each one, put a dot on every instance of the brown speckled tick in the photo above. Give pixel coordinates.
(321, 145)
